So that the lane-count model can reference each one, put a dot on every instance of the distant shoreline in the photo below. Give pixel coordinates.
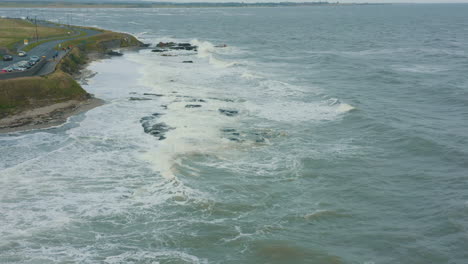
(59, 4)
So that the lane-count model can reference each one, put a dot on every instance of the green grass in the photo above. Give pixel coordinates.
(13, 31)
(98, 42)
(35, 44)
(30, 92)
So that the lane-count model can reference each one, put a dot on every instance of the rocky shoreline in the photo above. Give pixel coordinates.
(48, 116)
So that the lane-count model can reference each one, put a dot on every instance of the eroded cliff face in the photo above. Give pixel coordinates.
(21, 94)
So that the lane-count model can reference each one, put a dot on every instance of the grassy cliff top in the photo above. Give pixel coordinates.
(20, 94)
(104, 41)
(14, 31)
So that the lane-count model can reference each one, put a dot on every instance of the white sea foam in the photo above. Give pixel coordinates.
(154, 257)
(206, 82)
(208, 50)
(418, 68)
(250, 76)
(297, 111)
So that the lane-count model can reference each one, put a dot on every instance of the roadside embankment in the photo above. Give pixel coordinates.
(43, 101)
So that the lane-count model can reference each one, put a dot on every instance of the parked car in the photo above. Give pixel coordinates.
(22, 54)
(8, 69)
(7, 58)
(23, 64)
(35, 59)
(19, 68)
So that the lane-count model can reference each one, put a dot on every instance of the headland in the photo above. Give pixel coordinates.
(40, 98)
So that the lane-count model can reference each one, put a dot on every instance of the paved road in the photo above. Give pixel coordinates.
(45, 49)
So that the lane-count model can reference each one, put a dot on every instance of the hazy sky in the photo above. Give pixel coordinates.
(341, 1)
(250, 1)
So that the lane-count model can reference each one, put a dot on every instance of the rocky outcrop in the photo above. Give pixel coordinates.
(150, 126)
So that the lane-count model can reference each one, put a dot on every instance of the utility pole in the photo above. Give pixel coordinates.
(35, 22)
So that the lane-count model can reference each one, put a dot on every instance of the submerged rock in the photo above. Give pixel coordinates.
(242, 136)
(187, 62)
(157, 130)
(139, 99)
(193, 106)
(114, 53)
(197, 100)
(165, 44)
(153, 94)
(185, 44)
(227, 112)
(221, 99)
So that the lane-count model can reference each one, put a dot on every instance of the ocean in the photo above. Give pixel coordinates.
(332, 134)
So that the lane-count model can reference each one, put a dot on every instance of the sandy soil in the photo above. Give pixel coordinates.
(47, 116)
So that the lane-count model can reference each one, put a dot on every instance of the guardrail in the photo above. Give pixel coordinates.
(27, 73)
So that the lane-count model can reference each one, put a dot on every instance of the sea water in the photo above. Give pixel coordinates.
(333, 134)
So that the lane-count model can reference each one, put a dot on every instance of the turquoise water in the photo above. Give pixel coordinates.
(347, 143)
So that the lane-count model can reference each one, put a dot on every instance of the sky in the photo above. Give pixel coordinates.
(400, 1)
(341, 1)
(262, 1)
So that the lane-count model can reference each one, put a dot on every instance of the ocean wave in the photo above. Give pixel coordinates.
(208, 50)
(296, 111)
(164, 256)
(419, 68)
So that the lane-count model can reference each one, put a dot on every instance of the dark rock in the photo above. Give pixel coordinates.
(153, 94)
(157, 130)
(165, 44)
(139, 99)
(193, 106)
(187, 62)
(228, 130)
(158, 50)
(114, 53)
(228, 112)
(197, 100)
(146, 118)
(221, 99)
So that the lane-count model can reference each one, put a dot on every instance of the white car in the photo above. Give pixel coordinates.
(22, 54)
